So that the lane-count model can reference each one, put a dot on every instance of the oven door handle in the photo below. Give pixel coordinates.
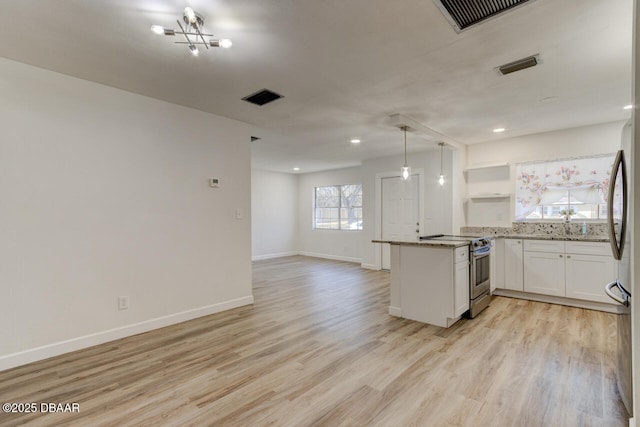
(481, 251)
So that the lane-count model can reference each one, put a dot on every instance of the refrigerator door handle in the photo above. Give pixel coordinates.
(624, 299)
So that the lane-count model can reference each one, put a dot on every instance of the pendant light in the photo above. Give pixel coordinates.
(405, 172)
(441, 177)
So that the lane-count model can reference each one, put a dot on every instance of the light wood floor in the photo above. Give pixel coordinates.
(318, 348)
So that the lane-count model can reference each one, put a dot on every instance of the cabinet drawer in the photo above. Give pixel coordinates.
(553, 246)
(461, 254)
(588, 248)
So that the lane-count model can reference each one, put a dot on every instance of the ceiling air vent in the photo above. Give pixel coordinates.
(520, 64)
(262, 97)
(463, 14)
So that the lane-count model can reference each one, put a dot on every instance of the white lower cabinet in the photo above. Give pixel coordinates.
(461, 278)
(544, 273)
(513, 265)
(432, 283)
(567, 269)
(586, 276)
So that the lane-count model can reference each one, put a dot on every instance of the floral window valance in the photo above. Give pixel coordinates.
(543, 183)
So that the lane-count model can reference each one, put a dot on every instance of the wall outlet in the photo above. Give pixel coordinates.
(123, 303)
(214, 183)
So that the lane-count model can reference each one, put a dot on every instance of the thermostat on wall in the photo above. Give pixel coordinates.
(214, 182)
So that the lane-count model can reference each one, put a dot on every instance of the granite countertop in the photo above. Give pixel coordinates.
(568, 232)
(452, 244)
(578, 238)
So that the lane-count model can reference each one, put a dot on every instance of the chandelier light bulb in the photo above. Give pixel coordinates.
(194, 50)
(157, 29)
(190, 14)
(441, 180)
(226, 43)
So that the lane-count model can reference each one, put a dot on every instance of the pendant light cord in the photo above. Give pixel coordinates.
(404, 128)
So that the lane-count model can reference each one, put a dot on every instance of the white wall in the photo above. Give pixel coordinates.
(274, 214)
(105, 193)
(582, 141)
(333, 244)
(439, 203)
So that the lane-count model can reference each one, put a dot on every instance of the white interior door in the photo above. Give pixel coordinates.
(400, 212)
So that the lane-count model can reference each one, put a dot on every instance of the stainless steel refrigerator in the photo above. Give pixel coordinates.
(619, 210)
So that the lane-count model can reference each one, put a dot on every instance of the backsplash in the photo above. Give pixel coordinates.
(594, 229)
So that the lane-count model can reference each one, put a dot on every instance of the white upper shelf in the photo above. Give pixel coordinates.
(490, 166)
(490, 196)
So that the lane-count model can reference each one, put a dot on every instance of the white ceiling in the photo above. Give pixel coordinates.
(344, 67)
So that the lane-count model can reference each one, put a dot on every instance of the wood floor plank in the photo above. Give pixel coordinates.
(318, 348)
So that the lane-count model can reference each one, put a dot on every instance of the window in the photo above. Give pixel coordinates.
(556, 189)
(569, 203)
(338, 207)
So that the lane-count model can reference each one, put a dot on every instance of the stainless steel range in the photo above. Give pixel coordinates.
(479, 269)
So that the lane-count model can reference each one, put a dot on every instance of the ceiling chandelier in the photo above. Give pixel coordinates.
(192, 32)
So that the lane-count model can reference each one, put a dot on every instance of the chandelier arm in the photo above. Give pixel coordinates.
(202, 38)
(184, 33)
(194, 43)
(192, 34)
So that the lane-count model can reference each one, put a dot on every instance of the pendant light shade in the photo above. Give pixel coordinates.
(441, 177)
(405, 172)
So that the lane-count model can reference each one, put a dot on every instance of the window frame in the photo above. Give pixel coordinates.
(599, 207)
(339, 208)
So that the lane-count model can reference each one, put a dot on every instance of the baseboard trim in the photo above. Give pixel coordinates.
(269, 256)
(395, 311)
(591, 305)
(333, 257)
(370, 266)
(55, 349)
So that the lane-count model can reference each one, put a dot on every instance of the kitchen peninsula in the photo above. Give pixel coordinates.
(429, 280)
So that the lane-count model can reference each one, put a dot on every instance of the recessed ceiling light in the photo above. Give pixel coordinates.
(498, 130)
(296, 169)
(628, 107)
(355, 141)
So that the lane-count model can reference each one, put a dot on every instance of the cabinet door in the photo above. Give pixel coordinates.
(513, 265)
(544, 273)
(461, 288)
(587, 274)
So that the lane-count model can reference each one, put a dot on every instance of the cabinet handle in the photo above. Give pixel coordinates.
(518, 241)
(568, 256)
(560, 256)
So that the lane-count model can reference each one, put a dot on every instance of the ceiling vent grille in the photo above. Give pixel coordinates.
(262, 97)
(520, 64)
(463, 14)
